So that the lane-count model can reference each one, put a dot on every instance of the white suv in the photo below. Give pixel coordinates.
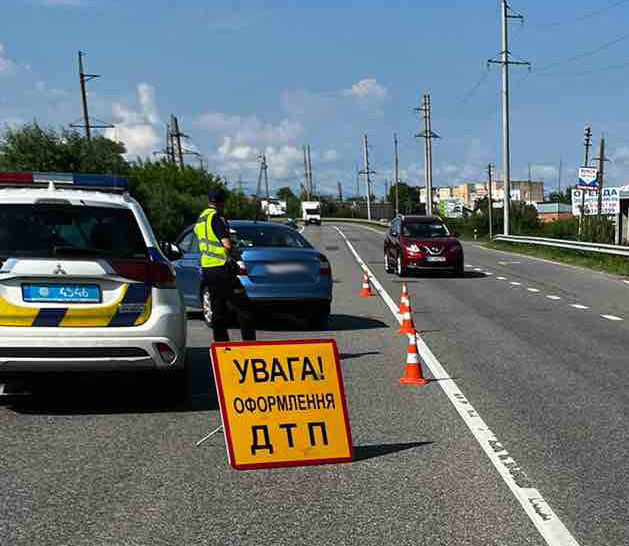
(83, 283)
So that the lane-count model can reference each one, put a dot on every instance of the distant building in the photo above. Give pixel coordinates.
(548, 212)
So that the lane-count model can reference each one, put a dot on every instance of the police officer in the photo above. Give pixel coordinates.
(220, 270)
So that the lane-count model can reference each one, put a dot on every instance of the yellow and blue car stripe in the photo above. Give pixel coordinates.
(132, 308)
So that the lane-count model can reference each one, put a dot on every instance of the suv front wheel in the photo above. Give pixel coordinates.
(400, 268)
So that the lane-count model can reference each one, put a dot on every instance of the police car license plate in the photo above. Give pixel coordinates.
(61, 293)
(436, 259)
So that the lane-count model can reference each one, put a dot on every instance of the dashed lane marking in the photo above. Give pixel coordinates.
(579, 306)
(501, 278)
(537, 509)
(477, 269)
(514, 283)
(488, 273)
(612, 317)
(554, 297)
(534, 290)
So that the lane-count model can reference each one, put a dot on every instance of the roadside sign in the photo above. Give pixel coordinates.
(610, 202)
(588, 179)
(282, 403)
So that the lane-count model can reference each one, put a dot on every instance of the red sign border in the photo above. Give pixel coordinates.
(221, 402)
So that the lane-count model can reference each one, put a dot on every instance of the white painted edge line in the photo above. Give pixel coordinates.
(612, 317)
(626, 282)
(554, 297)
(534, 290)
(538, 510)
(579, 306)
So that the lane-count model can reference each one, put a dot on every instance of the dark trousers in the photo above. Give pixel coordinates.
(226, 292)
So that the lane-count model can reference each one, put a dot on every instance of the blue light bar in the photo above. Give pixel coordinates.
(113, 181)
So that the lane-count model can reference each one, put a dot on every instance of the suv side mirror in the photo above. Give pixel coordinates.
(171, 251)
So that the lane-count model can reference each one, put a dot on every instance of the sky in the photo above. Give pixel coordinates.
(246, 77)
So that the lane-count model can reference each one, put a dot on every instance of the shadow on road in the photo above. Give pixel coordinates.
(362, 453)
(113, 393)
(347, 356)
(290, 323)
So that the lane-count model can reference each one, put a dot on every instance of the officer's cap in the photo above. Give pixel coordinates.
(217, 195)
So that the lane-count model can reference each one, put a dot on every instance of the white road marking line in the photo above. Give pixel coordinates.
(508, 263)
(302, 229)
(477, 269)
(534, 290)
(537, 509)
(554, 297)
(626, 282)
(469, 265)
(488, 273)
(502, 278)
(611, 317)
(579, 306)
(515, 283)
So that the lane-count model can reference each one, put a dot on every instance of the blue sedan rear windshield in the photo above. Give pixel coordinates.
(269, 237)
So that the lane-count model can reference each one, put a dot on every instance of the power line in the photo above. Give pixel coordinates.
(579, 18)
(585, 54)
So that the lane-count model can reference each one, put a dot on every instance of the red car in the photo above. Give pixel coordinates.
(421, 243)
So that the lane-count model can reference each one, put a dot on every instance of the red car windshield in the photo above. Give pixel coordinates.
(425, 230)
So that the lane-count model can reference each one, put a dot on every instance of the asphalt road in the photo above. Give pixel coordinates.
(113, 461)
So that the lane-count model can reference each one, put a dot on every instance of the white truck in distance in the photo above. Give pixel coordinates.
(311, 212)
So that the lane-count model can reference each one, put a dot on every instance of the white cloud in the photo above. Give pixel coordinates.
(137, 129)
(6, 65)
(250, 129)
(367, 89)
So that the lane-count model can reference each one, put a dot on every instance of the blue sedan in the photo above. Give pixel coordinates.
(279, 270)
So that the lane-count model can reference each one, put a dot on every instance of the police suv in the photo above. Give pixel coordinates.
(83, 284)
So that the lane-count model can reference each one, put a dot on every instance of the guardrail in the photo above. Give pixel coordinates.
(357, 221)
(563, 243)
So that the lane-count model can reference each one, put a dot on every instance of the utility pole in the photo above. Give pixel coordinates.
(587, 142)
(491, 203)
(386, 190)
(367, 172)
(83, 79)
(340, 192)
(311, 189)
(357, 182)
(306, 176)
(507, 13)
(397, 176)
(176, 135)
(559, 173)
(428, 135)
(265, 168)
(601, 172)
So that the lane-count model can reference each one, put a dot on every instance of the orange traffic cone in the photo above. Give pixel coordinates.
(405, 305)
(412, 369)
(365, 292)
(408, 326)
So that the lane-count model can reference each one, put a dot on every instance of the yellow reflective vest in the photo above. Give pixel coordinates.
(213, 253)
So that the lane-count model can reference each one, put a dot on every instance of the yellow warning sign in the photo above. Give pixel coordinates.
(282, 403)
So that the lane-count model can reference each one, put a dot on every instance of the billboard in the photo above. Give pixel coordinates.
(610, 202)
(588, 179)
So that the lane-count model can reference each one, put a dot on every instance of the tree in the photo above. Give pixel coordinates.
(293, 203)
(409, 198)
(561, 197)
(33, 148)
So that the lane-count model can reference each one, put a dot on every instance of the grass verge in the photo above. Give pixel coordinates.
(617, 265)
